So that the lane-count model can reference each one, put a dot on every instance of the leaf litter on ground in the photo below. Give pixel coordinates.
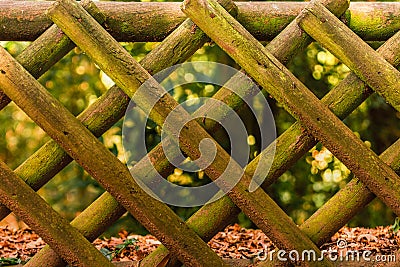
(235, 242)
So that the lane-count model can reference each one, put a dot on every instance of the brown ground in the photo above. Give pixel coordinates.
(234, 242)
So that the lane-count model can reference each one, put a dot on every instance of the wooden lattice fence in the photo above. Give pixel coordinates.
(75, 138)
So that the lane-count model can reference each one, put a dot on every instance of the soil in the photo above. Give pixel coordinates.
(234, 242)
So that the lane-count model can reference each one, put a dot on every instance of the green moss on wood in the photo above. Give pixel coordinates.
(135, 22)
(55, 230)
(293, 95)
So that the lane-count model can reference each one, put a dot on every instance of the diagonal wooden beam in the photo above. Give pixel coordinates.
(120, 66)
(294, 142)
(286, 37)
(89, 152)
(98, 118)
(109, 108)
(54, 229)
(301, 139)
(333, 106)
(296, 98)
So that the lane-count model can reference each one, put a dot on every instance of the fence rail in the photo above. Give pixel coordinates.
(97, 27)
(153, 21)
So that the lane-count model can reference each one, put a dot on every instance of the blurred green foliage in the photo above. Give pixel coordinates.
(77, 82)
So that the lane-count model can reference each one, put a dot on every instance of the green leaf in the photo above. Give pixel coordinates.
(9, 261)
(396, 226)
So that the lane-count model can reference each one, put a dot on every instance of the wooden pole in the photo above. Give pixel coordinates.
(302, 139)
(296, 98)
(81, 145)
(128, 75)
(150, 22)
(54, 229)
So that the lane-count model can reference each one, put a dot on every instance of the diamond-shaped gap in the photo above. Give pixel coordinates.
(21, 136)
(318, 69)
(75, 81)
(367, 123)
(327, 170)
(301, 194)
(71, 191)
(210, 51)
(139, 50)
(376, 123)
(309, 183)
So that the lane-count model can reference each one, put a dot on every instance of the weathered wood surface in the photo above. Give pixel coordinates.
(296, 98)
(26, 20)
(101, 163)
(54, 229)
(119, 66)
(390, 156)
(178, 39)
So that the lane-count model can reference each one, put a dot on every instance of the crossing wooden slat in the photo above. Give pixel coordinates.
(226, 209)
(342, 100)
(98, 118)
(296, 139)
(54, 229)
(98, 161)
(296, 98)
(128, 75)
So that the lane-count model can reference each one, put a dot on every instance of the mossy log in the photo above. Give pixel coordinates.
(137, 22)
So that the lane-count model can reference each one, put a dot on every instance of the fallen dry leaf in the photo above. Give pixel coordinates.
(234, 242)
